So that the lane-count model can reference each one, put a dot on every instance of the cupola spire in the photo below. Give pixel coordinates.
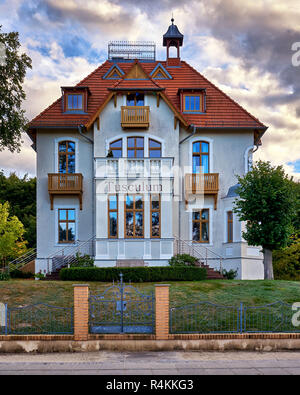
(173, 38)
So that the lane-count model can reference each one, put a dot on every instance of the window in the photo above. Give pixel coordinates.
(229, 227)
(154, 149)
(66, 157)
(113, 216)
(192, 103)
(66, 226)
(135, 99)
(74, 102)
(116, 148)
(200, 157)
(155, 215)
(135, 147)
(134, 216)
(201, 226)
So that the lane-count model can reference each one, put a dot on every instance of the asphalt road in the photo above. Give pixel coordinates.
(152, 363)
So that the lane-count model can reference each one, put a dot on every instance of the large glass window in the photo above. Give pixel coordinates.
(201, 226)
(154, 149)
(135, 99)
(66, 226)
(66, 157)
(155, 215)
(116, 148)
(135, 147)
(74, 102)
(229, 227)
(200, 157)
(134, 216)
(112, 216)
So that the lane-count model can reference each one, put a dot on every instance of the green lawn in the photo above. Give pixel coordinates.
(60, 293)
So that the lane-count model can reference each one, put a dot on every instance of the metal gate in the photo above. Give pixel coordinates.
(121, 308)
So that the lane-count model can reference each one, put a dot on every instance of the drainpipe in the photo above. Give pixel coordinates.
(192, 134)
(80, 128)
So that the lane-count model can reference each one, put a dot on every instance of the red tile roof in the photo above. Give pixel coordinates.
(221, 110)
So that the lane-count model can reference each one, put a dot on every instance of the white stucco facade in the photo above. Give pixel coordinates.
(103, 176)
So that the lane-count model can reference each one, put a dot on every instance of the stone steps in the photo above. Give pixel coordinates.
(130, 263)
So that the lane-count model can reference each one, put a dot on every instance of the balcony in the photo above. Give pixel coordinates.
(65, 184)
(198, 184)
(135, 116)
(133, 167)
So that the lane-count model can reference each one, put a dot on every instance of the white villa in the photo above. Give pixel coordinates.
(139, 161)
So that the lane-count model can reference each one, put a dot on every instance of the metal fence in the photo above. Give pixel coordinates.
(207, 317)
(38, 319)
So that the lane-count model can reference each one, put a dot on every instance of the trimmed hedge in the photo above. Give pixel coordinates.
(134, 274)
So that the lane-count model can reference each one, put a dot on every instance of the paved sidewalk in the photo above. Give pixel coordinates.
(152, 363)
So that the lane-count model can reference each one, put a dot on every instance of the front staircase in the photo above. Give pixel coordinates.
(203, 255)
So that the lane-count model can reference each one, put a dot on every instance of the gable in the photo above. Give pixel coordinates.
(160, 73)
(114, 73)
(136, 73)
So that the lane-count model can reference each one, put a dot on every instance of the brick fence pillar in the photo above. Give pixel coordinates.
(81, 312)
(162, 311)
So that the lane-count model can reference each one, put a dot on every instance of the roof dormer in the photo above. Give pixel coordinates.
(192, 100)
(75, 99)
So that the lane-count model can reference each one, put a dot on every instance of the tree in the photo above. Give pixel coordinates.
(21, 195)
(267, 203)
(12, 244)
(13, 67)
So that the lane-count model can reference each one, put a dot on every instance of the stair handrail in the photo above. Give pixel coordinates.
(68, 256)
(194, 247)
(22, 260)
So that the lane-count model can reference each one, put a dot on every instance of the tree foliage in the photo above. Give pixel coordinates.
(21, 195)
(268, 205)
(12, 244)
(287, 262)
(12, 73)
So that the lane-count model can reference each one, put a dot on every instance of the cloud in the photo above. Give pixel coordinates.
(242, 47)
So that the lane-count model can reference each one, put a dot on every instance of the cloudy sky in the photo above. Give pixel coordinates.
(245, 48)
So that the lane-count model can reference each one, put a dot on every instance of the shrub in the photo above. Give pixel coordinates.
(286, 262)
(230, 274)
(40, 276)
(4, 276)
(182, 260)
(19, 274)
(82, 261)
(134, 274)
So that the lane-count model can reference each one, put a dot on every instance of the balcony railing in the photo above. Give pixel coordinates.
(133, 167)
(135, 116)
(207, 184)
(65, 184)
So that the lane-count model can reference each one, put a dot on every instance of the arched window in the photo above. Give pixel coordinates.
(200, 157)
(116, 149)
(154, 149)
(66, 157)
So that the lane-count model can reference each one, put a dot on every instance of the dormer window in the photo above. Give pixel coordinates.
(74, 102)
(75, 99)
(192, 103)
(192, 100)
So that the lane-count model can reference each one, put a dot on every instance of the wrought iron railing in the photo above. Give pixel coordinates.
(207, 317)
(39, 319)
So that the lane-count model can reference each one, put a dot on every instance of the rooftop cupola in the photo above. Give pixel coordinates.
(173, 38)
